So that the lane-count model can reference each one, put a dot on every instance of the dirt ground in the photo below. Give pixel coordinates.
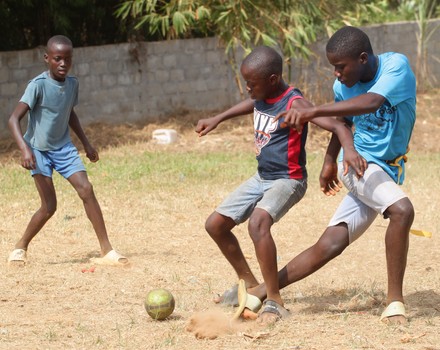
(57, 302)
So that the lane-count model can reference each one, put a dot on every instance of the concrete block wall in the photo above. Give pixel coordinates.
(131, 82)
(148, 80)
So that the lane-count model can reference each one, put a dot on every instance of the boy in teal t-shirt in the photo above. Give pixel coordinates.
(49, 100)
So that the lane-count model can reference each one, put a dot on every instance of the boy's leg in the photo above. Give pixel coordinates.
(401, 215)
(219, 227)
(349, 222)
(260, 223)
(235, 209)
(279, 197)
(332, 243)
(84, 188)
(359, 217)
(378, 191)
(48, 207)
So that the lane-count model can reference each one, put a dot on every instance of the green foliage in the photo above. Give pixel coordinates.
(366, 12)
(242, 23)
(159, 20)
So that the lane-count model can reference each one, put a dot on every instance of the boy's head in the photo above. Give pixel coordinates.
(58, 56)
(349, 51)
(262, 71)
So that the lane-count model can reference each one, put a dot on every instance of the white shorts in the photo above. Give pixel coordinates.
(369, 196)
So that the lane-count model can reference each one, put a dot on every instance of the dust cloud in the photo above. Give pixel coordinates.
(213, 323)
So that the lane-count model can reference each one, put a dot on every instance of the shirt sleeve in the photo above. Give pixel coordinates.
(31, 95)
(395, 81)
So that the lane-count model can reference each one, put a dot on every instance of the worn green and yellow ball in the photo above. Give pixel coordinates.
(159, 303)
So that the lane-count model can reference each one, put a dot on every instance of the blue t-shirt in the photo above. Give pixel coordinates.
(50, 102)
(383, 136)
(280, 150)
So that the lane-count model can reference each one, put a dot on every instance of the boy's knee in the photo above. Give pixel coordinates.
(401, 211)
(214, 224)
(259, 225)
(217, 224)
(51, 209)
(210, 226)
(85, 190)
(331, 245)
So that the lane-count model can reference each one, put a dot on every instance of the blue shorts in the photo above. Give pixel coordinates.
(66, 161)
(274, 196)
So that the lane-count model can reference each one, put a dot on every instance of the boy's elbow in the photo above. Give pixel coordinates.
(12, 121)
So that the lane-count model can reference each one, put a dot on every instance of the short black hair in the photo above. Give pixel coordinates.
(349, 42)
(266, 60)
(59, 39)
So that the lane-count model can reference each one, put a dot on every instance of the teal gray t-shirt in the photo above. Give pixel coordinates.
(50, 102)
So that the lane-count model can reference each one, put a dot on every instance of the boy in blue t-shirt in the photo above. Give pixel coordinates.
(377, 94)
(46, 146)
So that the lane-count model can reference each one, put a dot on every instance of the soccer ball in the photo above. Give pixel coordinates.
(159, 304)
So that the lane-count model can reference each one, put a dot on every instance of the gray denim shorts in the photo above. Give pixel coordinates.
(274, 196)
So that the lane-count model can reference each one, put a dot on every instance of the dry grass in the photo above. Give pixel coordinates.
(156, 217)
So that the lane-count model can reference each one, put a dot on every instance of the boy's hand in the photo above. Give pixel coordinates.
(353, 159)
(206, 125)
(92, 154)
(27, 159)
(328, 179)
(296, 117)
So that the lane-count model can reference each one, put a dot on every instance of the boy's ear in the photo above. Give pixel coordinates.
(46, 57)
(274, 79)
(363, 58)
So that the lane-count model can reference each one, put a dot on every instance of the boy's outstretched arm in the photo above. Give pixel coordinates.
(27, 157)
(75, 125)
(345, 136)
(365, 103)
(206, 125)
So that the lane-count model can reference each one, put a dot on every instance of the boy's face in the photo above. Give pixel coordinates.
(258, 86)
(59, 60)
(348, 70)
